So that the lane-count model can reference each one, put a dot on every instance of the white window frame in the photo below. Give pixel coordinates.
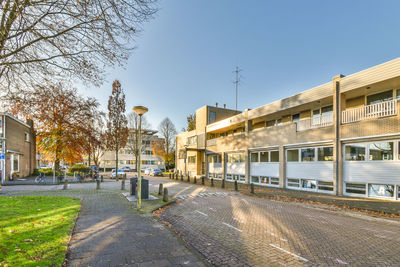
(12, 162)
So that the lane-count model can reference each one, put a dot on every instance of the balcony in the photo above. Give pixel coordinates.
(315, 122)
(379, 110)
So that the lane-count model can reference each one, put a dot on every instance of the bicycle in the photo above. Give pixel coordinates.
(41, 179)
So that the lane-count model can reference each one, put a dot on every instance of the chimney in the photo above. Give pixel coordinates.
(224, 105)
(216, 104)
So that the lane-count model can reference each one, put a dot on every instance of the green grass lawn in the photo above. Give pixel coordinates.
(34, 230)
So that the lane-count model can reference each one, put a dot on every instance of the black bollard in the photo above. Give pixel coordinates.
(97, 184)
(65, 184)
(182, 177)
(160, 189)
(223, 183)
(170, 176)
(252, 188)
(177, 175)
(212, 182)
(202, 180)
(188, 178)
(165, 197)
(102, 178)
(236, 186)
(195, 180)
(123, 184)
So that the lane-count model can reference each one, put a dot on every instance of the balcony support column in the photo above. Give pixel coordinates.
(282, 167)
(338, 106)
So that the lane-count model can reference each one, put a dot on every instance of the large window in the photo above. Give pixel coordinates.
(308, 184)
(355, 188)
(381, 151)
(380, 190)
(355, 152)
(265, 180)
(307, 154)
(274, 156)
(325, 153)
(292, 155)
(236, 157)
(212, 117)
(264, 156)
(381, 97)
(254, 157)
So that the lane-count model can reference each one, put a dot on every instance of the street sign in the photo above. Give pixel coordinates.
(2, 156)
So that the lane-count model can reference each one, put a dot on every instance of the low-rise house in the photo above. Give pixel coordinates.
(17, 147)
(341, 137)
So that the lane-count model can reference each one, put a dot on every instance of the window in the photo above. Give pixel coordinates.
(230, 158)
(327, 110)
(293, 182)
(192, 159)
(270, 123)
(212, 117)
(228, 176)
(380, 190)
(242, 157)
(325, 153)
(26, 137)
(192, 140)
(15, 163)
(295, 117)
(381, 97)
(355, 152)
(242, 178)
(398, 94)
(326, 186)
(278, 122)
(381, 151)
(292, 155)
(355, 188)
(264, 156)
(121, 162)
(274, 156)
(254, 157)
(274, 180)
(308, 184)
(235, 158)
(307, 154)
(264, 180)
(255, 179)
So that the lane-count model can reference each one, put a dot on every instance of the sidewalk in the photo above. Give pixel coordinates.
(380, 207)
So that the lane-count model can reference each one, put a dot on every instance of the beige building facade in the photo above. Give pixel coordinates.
(342, 137)
(17, 147)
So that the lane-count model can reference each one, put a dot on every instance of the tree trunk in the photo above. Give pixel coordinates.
(116, 162)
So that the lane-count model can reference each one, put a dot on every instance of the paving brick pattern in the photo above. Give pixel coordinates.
(232, 229)
(109, 233)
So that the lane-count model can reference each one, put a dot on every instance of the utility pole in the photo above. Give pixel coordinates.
(237, 81)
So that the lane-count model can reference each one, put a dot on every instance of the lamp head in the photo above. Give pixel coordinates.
(140, 110)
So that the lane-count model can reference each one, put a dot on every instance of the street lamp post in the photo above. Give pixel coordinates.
(140, 110)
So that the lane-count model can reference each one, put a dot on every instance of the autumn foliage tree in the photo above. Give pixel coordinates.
(117, 130)
(61, 117)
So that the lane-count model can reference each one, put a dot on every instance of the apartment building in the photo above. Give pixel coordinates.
(342, 137)
(126, 156)
(17, 147)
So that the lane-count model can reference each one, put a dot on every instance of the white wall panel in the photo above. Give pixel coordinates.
(264, 169)
(235, 168)
(379, 172)
(321, 170)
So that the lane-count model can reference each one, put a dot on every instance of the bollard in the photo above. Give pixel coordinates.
(98, 185)
(252, 188)
(123, 184)
(202, 180)
(236, 186)
(102, 178)
(223, 183)
(212, 182)
(195, 180)
(182, 177)
(188, 178)
(170, 176)
(65, 184)
(165, 197)
(160, 189)
(176, 176)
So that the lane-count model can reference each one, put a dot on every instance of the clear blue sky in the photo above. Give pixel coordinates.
(186, 55)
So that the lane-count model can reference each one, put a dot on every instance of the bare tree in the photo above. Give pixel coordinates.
(95, 142)
(167, 131)
(117, 130)
(133, 136)
(66, 39)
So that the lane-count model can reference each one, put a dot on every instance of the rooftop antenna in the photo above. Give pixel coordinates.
(236, 82)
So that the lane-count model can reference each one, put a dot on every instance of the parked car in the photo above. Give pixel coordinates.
(147, 171)
(45, 167)
(156, 172)
(126, 169)
(120, 173)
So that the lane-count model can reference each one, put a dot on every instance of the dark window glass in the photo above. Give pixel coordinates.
(264, 156)
(274, 156)
(325, 153)
(381, 97)
(295, 117)
(254, 157)
(381, 151)
(292, 155)
(307, 154)
(355, 152)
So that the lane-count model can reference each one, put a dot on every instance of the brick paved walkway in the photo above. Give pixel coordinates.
(109, 233)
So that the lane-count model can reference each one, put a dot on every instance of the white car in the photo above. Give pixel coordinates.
(147, 171)
(119, 173)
